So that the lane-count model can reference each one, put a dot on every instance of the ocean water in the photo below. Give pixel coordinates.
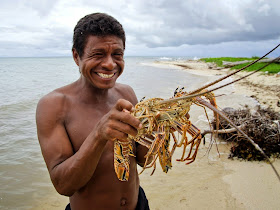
(23, 175)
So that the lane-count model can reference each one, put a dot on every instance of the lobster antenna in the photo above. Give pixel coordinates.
(218, 80)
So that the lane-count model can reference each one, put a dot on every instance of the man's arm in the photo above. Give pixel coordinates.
(70, 171)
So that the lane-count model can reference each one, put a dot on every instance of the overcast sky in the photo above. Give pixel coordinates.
(201, 28)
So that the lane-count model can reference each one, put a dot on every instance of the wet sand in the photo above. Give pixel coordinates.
(212, 182)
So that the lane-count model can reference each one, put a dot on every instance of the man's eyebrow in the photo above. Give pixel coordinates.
(92, 51)
(96, 50)
(118, 50)
(101, 50)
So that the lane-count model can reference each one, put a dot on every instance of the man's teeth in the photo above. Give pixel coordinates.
(105, 75)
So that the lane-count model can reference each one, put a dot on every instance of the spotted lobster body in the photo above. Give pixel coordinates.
(160, 122)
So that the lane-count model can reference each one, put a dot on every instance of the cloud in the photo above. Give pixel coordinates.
(31, 27)
(42, 7)
(193, 22)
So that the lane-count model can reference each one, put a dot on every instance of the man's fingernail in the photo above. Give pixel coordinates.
(125, 110)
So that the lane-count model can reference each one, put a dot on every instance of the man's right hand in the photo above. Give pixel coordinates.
(118, 122)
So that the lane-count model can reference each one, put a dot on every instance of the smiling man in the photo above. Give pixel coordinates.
(77, 124)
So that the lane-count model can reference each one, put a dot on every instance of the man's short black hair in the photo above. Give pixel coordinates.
(97, 24)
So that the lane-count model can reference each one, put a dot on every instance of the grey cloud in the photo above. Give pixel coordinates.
(235, 48)
(43, 7)
(55, 41)
(175, 23)
(38, 28)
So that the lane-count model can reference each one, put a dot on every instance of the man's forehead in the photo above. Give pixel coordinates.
(94, 42)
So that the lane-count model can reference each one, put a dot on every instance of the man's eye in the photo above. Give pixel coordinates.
(118, 54)
(97, 54)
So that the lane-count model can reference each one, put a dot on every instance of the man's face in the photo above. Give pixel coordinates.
(102, 62)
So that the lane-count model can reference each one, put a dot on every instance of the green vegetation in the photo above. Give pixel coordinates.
(219, 61)
(272, 68)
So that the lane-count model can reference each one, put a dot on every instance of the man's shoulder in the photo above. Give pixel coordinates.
(53, 97)
(126, 92)
(124, 89)
(122, 86)
(54, 102)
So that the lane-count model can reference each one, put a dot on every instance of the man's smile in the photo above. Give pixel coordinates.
(105, 76)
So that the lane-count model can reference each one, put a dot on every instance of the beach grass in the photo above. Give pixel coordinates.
(273, 68)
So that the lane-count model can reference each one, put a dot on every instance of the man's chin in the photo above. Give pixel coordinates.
(106, 86)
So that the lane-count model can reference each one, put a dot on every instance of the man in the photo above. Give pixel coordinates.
(77, 124)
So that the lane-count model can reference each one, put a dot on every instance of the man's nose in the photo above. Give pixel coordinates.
(108, 63)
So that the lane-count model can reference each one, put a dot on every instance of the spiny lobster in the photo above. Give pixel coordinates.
(162, 118)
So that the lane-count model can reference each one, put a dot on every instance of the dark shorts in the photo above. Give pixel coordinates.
(142, 203)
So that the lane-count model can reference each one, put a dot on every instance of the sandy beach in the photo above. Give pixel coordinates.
(263, 87)
(212, 181)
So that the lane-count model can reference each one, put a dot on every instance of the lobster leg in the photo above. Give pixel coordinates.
(159, 138)
(194, 142)
(164, 153)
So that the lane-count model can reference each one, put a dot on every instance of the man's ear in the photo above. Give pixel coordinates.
(75, 56)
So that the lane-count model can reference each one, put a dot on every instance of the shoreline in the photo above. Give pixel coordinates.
(260, 86)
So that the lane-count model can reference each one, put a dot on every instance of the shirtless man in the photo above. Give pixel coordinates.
(77, 124)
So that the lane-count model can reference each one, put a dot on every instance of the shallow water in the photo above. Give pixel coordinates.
(23, 175)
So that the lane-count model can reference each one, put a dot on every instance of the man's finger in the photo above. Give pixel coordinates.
(129, 119)
(123, 104)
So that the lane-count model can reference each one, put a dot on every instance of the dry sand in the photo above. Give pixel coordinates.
(212, 182)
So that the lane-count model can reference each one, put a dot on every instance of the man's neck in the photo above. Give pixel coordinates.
(90, 94)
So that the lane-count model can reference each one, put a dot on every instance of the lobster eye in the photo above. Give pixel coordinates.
(157, 115)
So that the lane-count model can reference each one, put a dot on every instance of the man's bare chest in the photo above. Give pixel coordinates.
(81, 120)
